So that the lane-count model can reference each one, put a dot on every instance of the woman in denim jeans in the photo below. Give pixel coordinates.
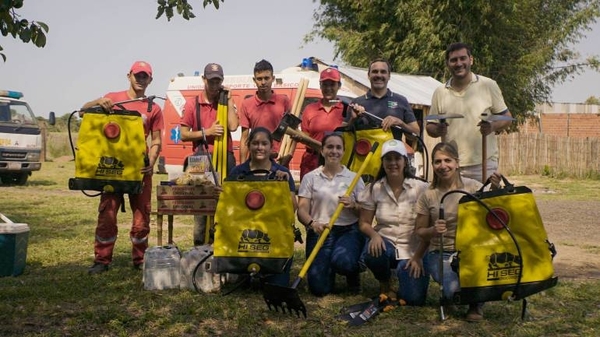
(392, 242)
(321, 190)
(446, 177)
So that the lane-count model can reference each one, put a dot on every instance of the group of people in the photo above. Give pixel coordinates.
(388, 225)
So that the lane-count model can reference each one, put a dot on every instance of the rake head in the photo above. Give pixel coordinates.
(284, 298)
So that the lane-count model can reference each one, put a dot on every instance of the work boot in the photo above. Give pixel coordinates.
(97, 268)
(475, 313)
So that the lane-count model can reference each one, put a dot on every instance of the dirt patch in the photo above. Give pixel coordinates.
(572, 227)
(63, 159)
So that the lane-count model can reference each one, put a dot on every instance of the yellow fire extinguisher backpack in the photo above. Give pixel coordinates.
(253, 226)
(503, 249)
(360, 139)
(110, 153)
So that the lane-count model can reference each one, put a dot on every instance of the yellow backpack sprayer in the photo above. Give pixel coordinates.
(111, 149)
(360, 138)
(254, 226)
(503, 252)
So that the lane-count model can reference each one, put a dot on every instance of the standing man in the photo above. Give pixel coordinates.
(470, 95)
(393, 108)
(203, 108)
(265, 109)
(139, 76)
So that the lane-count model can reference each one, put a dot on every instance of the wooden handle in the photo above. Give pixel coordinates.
(303, 137)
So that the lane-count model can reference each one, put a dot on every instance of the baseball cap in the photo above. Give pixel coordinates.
(331, 74)
(213, 70)
(141, 67)
(393, 145)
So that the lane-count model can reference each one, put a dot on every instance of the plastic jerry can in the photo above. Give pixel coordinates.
(162, 268)
(207, 280)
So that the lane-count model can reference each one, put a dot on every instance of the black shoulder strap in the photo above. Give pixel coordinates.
(198, 143)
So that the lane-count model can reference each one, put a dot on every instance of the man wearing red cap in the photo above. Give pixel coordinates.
(199, 122)
(139, 76)
(321, 117)
(265, 109)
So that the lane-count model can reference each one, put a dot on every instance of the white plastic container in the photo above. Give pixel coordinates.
(162, 268)
(206, 280)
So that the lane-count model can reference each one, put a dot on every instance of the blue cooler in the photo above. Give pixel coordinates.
(13, 247)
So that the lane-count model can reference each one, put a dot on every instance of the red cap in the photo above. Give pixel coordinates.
(141, 67)
(331, 74)
(213, 70)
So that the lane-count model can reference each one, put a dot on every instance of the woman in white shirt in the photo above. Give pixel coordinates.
(321, 190)
(392, 242)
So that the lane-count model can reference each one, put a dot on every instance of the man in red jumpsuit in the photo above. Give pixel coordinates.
(139, 76)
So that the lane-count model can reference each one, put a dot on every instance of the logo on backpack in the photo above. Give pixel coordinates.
(503, 266)
(254, 241)
(109, 166)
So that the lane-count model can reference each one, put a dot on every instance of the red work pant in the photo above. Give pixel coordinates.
(107, 229)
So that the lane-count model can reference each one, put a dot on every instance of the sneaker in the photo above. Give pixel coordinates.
(97, 268)
(138, 266)
(475, 313)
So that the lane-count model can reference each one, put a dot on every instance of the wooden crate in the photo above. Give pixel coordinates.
(186, 199)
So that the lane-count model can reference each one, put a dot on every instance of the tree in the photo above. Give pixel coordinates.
(183, 8)
(592, 100)
(12, 23)
(35, 31)
(522, 44)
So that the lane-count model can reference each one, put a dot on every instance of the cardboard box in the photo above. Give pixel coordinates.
(187, 206)
(171, 192)
(198, 164)
(186, 199)
(13, 247)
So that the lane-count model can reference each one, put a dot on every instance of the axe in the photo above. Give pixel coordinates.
(289, 125)
(442, 118)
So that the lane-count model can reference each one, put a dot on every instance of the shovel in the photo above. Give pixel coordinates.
(287, 298)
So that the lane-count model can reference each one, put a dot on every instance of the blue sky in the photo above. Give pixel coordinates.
(92, 44)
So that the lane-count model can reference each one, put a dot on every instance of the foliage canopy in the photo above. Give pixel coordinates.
(12, 24)
(525, 45)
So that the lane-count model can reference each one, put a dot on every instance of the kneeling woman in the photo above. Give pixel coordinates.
(320, 192)
(260, 142)
(446, 177)
(393, 243)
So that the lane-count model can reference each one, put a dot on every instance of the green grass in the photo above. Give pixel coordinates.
(56, 297)
(548, 188)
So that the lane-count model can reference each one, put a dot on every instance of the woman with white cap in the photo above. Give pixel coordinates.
(392, 242)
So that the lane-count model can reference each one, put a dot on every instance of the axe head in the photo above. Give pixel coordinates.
(442, 117)
(288, 121)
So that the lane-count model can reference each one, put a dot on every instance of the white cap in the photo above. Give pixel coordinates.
(393, 145)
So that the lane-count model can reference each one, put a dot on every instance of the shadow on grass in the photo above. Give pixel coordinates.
(41, 182)
(63, 300)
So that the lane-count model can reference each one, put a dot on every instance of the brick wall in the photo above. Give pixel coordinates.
(565, 120)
